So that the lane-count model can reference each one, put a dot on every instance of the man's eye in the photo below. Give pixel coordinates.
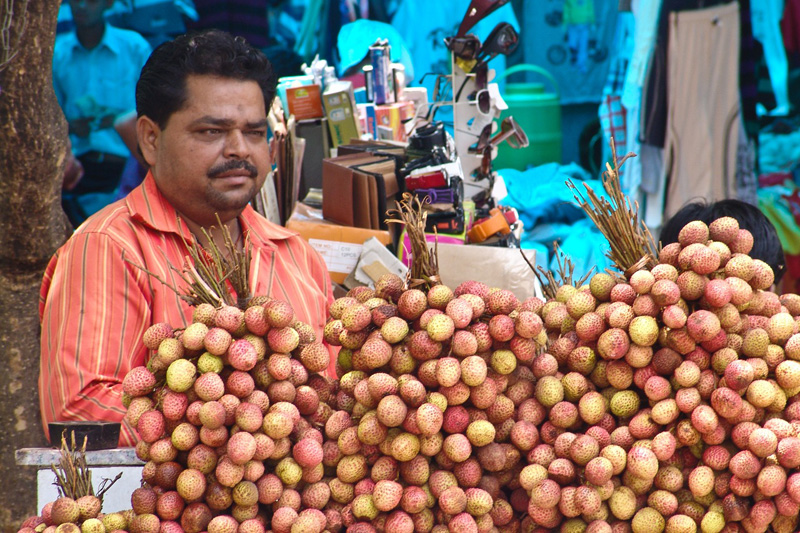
(211, 131)
(257, 133)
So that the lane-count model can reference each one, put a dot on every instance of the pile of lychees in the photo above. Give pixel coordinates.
(435, 411)
(671, 397)
(223, 408)
(69, 515)
(666, 401)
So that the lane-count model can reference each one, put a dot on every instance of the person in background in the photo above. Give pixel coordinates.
(766, 245)
(95, 68)
(202, 104)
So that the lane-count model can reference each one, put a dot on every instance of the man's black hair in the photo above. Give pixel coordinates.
(766, 245)
(161, 89)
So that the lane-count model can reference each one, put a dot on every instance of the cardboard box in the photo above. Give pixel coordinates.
(340, 246)
(387, 116)
(304, 102)
(497, 267)
(340, 108)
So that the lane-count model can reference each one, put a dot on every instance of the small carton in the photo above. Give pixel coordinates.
(340, 246)
(340, 108)
(392, 116)
(304, 102)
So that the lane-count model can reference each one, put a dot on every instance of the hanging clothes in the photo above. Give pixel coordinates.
(746, 179)
(654, 101)
(612, 114)
(572, 41)
(766, 18)
(645, 13)
(790, 27)
(749, 59)
(702, 106)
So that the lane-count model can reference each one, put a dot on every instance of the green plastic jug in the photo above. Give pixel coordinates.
(539, 114)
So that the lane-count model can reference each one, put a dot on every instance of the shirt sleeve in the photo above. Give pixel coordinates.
(94, 312)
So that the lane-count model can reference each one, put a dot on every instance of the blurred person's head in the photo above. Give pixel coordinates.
(89, 13)
(766, 245)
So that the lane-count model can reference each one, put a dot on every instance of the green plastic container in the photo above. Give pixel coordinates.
(539, 114)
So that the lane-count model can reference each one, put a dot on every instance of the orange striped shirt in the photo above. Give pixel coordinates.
(95, 307)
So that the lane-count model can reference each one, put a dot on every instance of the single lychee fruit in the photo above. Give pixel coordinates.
(717, 293)
(703, 325)
(501, 301)
(139, 381)
(724, 229)
(695, 231)
(439, 296)
(600, 286)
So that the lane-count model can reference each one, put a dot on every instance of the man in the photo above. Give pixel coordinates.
(94, 75)
(202, 102)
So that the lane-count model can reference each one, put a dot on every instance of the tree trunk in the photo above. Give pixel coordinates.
(33, 135)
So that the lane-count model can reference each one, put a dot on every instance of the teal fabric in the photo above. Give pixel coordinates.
(550, 214)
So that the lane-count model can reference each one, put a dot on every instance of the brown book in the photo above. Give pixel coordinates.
(357, 188)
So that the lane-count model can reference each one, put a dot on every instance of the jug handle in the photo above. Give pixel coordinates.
(532, 68)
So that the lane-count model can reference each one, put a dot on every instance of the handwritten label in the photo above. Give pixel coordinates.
(340, 257)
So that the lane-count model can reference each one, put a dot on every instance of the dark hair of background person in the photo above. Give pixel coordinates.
(766, 245)
(161, 89)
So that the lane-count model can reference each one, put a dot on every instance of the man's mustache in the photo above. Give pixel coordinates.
(236, 164)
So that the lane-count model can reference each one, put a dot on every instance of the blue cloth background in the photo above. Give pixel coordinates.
(545, 45)
(550, 214)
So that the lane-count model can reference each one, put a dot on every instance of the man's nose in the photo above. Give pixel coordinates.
(236, 144)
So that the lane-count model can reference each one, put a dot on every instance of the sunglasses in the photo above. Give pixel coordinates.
(486, 164)
(503, 39)
(467, 47)
(512, 132)
(509, 131)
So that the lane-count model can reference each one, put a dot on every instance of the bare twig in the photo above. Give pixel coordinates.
(73, 477)
(106, 484)
(207, 272)
(632, 244)
(424, 271)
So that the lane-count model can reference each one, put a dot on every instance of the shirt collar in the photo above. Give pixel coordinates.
(107, 41)
(147, 205)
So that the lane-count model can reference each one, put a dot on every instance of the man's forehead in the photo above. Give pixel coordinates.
(224, 98)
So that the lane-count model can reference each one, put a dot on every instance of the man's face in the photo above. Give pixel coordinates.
(212, 156)
(88, 12)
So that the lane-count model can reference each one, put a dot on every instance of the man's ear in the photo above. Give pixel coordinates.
(147, 133)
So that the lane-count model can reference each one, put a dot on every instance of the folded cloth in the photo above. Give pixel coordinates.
(549, 213)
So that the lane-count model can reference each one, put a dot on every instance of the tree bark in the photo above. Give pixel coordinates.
(33, 137)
